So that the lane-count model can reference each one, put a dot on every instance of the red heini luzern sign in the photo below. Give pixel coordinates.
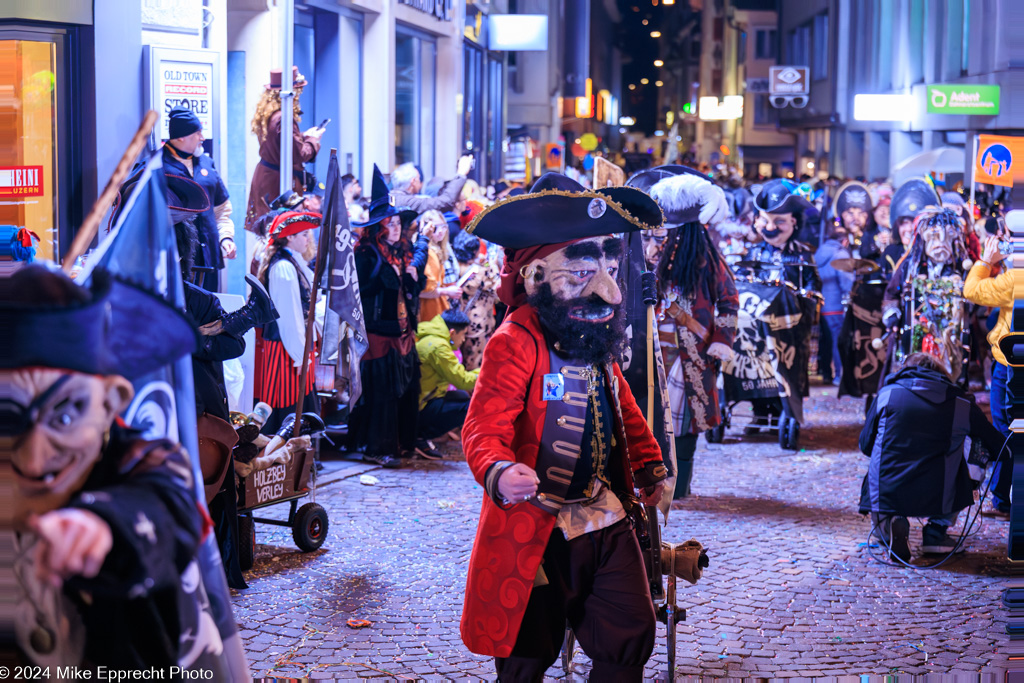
(21, 181)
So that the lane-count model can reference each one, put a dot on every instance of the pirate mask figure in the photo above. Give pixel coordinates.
(782, 211)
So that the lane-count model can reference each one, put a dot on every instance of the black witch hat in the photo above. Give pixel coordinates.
(558, 209)
(910, 199)
(381, 204)
(112, 328)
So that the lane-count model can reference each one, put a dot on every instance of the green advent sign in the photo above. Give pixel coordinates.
(972, 100)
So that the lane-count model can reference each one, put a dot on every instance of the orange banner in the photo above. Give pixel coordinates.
(1000, 160)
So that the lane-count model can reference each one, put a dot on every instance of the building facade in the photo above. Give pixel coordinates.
(388, 73)
(885, 47)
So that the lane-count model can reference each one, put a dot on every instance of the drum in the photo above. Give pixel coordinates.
(772, 345)
(863, 365)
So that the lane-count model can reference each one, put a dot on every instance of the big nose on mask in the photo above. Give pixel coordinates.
(604, 286)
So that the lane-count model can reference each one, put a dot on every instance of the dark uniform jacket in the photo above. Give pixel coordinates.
(208, 254)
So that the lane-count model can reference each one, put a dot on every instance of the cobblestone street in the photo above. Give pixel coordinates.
(792, 590)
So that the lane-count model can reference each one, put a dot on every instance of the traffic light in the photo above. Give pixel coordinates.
(688, 108)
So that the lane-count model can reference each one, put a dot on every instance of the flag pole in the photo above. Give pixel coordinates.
(314, 288)
(974, 172)
(90, 226)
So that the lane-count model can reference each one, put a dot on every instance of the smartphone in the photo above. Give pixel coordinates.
(1005, 247)
(323, 124)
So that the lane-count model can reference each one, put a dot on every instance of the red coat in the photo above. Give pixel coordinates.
(505, 420)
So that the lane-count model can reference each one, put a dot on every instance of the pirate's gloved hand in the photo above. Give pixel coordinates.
(720, 351)
(891, 318)
(258, 310)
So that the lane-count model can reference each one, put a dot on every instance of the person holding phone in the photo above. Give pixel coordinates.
(266, 124)
(435, 295)
(989, 284)
(406, 184)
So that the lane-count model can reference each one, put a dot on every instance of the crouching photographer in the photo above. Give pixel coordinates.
(914, 433)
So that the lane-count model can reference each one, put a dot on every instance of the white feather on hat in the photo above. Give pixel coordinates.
(688, 198)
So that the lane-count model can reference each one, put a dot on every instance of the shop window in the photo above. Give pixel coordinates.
(473, 105)
(495, 118)
(415, 73)
(799, 45)
(29, 87)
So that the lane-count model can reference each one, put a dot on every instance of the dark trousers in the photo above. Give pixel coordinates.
(1002, 473)
(443, 414)
(596, 582)
(828, 346)
(686, 446)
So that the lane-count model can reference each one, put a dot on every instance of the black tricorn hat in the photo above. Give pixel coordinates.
(910, 198)
(558, 209)
(185, 197)
(779, 196)
(381, 205)
(852, 194)
(649, 177)
(93, 330)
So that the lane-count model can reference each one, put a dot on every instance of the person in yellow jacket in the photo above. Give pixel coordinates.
(986, 288)
(441, 410)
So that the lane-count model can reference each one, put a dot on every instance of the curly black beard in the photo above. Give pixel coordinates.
(590, 342)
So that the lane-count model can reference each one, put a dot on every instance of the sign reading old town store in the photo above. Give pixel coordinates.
(442, 9)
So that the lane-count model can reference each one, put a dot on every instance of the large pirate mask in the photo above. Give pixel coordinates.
(69, 353)
(56, 425)
(939, 230)
(781, 210)
(578, 297)
(563, 249)
(777, 228)
(654, 242)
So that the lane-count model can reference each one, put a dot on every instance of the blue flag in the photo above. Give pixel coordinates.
(142, 248)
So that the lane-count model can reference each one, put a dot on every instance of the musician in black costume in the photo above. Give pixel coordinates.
(784, 257)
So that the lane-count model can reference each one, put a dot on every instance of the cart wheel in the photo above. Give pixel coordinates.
(310, 527)
(793, 434)
(246, 542)
(715, 434)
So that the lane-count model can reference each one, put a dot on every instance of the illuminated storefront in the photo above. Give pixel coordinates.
(32, 107)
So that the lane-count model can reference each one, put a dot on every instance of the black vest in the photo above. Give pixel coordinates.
(271, 330)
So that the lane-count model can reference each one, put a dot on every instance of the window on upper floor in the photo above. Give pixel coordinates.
(765, 43)
(819, 60)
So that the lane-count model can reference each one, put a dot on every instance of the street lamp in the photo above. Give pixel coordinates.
(655, 34)
(658, 83)
(644, 81)
(659, 63)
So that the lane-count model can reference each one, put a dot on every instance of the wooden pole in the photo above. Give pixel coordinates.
(314, 286)
(90, 226)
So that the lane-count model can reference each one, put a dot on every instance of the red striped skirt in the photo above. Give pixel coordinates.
(277, 377)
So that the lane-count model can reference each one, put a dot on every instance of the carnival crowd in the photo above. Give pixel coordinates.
(497, 316)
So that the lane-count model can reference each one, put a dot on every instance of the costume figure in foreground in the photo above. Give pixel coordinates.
(924, 298)
(105, 525)
(555, 438)
(697, 311)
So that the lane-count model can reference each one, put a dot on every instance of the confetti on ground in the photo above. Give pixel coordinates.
(368, 480)
(358, 623)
